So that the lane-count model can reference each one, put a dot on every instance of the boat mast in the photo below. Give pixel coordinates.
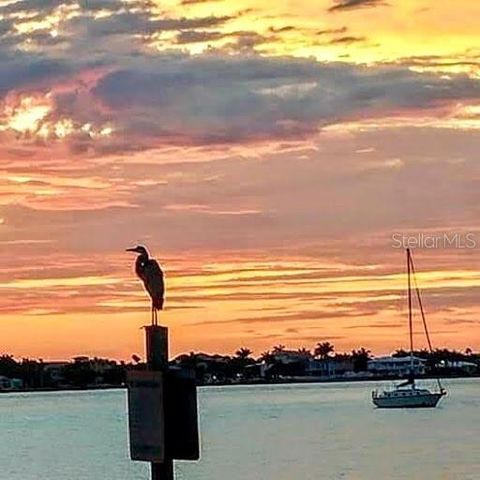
(424, 320)
(410, 318)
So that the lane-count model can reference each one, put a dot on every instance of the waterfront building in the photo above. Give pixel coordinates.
(7, 383)
(460, 366)
(329, 367)
(397, 366)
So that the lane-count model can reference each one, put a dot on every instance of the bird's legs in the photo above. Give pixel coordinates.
(154, 316)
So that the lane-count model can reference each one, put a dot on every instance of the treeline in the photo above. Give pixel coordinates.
(242, 366)
(280, 362)
(77, 373)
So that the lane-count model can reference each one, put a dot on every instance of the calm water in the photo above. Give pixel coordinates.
(297, 432)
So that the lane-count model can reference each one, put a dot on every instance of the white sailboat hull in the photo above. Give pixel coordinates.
(409, 399)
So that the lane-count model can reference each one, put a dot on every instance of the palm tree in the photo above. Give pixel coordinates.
(323, 350)
(304, 352)
(243, 353)
(266, 357)
(241, 361)
(278, 348)
(360, 359)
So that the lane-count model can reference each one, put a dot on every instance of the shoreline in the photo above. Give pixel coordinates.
(300, 380)
(279, 381)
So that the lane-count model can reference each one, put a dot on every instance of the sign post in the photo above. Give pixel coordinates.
(157, 360)
(162, 404)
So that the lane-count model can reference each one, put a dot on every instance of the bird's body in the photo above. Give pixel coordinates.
(151, 275)
(148, 270)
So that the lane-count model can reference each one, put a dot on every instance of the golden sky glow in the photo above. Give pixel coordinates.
(267, 153)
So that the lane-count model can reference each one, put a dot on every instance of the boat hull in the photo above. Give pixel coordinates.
(429, 400)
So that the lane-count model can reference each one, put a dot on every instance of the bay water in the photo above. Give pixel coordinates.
(324, 431)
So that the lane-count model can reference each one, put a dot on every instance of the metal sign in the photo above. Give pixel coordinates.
(146, 416)
(181, 415)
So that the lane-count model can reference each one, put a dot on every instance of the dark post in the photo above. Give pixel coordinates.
(157, 359)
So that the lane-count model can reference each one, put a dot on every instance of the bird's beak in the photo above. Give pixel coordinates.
(131, 250)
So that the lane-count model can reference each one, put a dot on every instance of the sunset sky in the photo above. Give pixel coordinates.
(266, 153)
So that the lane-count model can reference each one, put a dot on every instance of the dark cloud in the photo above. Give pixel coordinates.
(43, 38)
(347, 40)
(332, 31)
(32, 6)
(195, 2)
(196, 36)
(43, 7)
(5, 26)
(287, 28)
(218, 99)
(246, 42)
(341, 5)
(439, 62)
(111, 5)
(127, 26)
(229, 94)
(242, 41)
(141, 23)
(23, 71)
(304, 315)
(375, 325)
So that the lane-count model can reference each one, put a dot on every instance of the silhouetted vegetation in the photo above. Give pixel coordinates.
(324, 349)
(276, 365)
(360, 359)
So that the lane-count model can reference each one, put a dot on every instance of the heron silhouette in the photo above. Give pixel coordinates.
(150, 273)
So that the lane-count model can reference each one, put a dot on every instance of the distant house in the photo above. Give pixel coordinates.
(16, 383)
(329, 367)
(81, 359)
(101, 365)
(210, 369)
(256, 370)
(4, 383)
(201, 358)
(10, 383)
(53, 372)
(290, 356)
(460, 366)
(397, 366)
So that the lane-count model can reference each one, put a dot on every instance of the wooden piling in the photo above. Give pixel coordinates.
(157, 359)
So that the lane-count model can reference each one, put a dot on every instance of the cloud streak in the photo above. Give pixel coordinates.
(342, 5)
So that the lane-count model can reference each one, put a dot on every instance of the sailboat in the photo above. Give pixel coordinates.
(407, 394)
